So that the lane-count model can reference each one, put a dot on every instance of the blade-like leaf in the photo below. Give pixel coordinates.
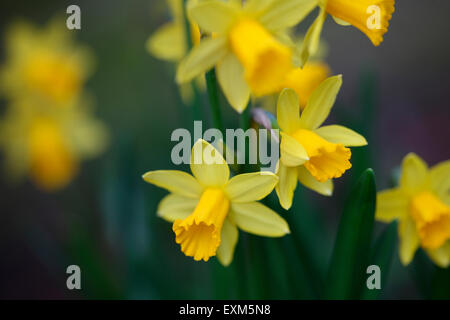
(350, 254)
(382, 255)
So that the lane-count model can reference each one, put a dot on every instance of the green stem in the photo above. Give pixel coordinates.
(213, 95)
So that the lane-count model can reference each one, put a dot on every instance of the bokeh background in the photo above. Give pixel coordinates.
(105, 221)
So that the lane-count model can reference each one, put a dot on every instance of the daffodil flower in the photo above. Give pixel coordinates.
(246, 45)
(47, 143)
(312, 154)
(421, 204)
(44, 64)
(207, 208)
(370, 16)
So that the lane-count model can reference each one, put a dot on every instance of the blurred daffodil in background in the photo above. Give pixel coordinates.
(48, 128)
(44, 64)
(312, 154)
(421, 204)
(207, 208)
(247, 44)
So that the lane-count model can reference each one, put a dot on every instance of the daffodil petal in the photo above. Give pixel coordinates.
(306, 179)
(414, 172)
(167, 43)
(202, 58)
(391, 204)
(341, 135)
(440, 179)
(341, 22)
(249, 187)
(213, 16)
(288, 111)
(409, 240)
(311, 41)
(286, 185)
(174, 206)
(229, 238)
(230, 74)
(292, 152)
(441, 256)
(320, 103)
(256, 218)
(208, 165)
(286, 14)
(175, 181)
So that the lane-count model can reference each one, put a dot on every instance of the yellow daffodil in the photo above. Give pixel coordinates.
(421, 204)
(312, 154)
(207, 208)
(370, 16)
(44, 64)
(48, 144)
(247, 45)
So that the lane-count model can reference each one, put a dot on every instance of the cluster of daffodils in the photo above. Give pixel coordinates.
(47, 128)
(250, 47)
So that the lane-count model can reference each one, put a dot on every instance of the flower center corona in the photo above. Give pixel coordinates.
(52, 163)
(266, 61)
(326, 160)
(199, 234)
(432, 219)
(53, 77)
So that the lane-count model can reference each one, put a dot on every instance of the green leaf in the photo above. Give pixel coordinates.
(382, 255)
(346, 272)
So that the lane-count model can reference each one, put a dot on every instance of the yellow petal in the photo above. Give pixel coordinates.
(208, 165)
(440, 180)
(286, 185)
(288, 111)
(341, 135)
(249, 187)
(341, 22)
(414, 173)
(229, 238)
(202, 58)
(409, 240)
(311, 42)
(175, 181)
(286, 14)
(292, 152)
(230, 74)
(168, 42)
(174, 206)
(213, 16)
(391, 204)
(320, 103)
(441, 256)
(323, 188)
(256, 218)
